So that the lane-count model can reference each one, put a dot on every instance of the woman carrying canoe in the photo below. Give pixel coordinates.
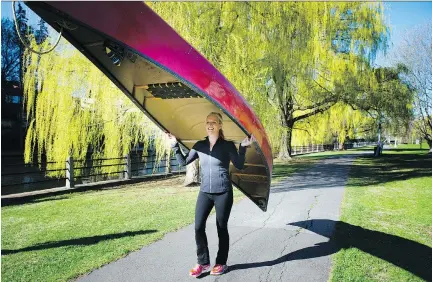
(215, 154)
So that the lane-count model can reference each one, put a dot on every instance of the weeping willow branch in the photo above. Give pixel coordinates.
(58, 124)
(307, 131)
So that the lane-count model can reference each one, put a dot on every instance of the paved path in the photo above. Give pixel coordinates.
(271, 246)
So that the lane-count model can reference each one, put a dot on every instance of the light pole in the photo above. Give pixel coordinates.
(379, 146)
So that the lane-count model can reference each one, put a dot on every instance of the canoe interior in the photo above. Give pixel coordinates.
(163, 97)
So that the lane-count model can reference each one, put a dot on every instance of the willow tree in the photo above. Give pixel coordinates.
(284, 57)
(73, 109)
(310, 48)
(375, 100)
(382, 95)
(347, 123)
(223, 33)
(212, 28)
(337, 125)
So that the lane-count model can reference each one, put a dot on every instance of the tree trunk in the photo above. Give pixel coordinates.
(192, 174)
(286, 149)
(429, 141)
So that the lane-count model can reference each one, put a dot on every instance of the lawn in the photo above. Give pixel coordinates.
(62, 237)
(282, 169)
(59, 238)
(385, 230)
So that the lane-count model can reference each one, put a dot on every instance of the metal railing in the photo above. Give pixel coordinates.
(315, 148)
(33, 173)
(36, 176)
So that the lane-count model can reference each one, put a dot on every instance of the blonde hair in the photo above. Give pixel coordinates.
(218, 116)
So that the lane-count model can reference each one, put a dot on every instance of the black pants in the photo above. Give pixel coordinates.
(223, 203)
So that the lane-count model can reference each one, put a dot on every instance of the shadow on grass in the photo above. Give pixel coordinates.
(366, 170)
(329, 174)
(407, 149)
(281, 170)
(387, 168)
(85, 241)
(407, 254)
(36, 201)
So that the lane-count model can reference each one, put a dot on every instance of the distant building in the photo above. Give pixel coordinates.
(12, 117)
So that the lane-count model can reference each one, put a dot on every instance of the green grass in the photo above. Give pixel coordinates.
(59, 238)
(385, 230)
(283, 169)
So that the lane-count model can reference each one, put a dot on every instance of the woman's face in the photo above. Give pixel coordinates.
(213, 126)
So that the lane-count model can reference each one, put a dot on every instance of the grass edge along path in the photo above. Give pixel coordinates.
(385, 230)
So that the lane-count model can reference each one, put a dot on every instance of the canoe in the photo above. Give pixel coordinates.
(165, 77)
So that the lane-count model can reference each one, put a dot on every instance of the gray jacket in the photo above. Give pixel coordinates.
(214, 165)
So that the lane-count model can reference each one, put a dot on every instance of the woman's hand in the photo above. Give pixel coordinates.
(172, 138)
(248, 141)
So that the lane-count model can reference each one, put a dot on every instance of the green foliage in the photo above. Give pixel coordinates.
(73, 109)
(293, 61)
(337, 124)
(379, 92)
(286, 58)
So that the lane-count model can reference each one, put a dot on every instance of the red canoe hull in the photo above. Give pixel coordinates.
(135, 25)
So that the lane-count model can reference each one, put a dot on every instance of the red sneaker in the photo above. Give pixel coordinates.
(219, 269)
(199, 269)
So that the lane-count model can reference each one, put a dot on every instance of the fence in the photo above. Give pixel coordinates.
(18, 177)
(315, 148)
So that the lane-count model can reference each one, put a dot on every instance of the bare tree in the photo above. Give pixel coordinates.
(415, 56)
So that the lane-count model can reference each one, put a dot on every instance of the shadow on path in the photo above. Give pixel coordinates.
(404, 253)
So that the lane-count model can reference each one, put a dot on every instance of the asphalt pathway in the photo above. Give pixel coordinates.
(273, 246)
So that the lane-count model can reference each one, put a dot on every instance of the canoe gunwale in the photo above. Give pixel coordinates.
(83, 48)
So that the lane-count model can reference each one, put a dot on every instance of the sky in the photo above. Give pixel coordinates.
(401, 17)
(6, 11)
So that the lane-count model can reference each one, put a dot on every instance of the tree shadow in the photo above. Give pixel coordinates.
(388, 168)
(406, 149)
(36, 201)
(367, 170)
(322, 175)
(404, 253)
(281, 170)
(84, 241)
